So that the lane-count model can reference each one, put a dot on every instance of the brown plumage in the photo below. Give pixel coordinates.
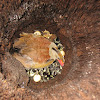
(36, 51)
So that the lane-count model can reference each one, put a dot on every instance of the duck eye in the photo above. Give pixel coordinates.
(55, 49)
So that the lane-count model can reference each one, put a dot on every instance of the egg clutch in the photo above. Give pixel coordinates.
(41, 53)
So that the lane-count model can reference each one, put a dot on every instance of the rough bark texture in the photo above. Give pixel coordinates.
(76, 22)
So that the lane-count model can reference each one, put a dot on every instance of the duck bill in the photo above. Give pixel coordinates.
(61, 62)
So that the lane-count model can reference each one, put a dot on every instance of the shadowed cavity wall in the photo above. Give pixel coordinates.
(76, 23)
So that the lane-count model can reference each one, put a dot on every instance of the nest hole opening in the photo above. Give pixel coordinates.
(42, 23)
(67, 48)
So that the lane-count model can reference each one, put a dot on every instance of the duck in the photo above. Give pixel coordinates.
(37, 50)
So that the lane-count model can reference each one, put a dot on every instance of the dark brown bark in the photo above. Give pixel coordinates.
(76, 23)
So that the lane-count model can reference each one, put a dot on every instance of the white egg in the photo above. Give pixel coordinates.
(37, 78)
